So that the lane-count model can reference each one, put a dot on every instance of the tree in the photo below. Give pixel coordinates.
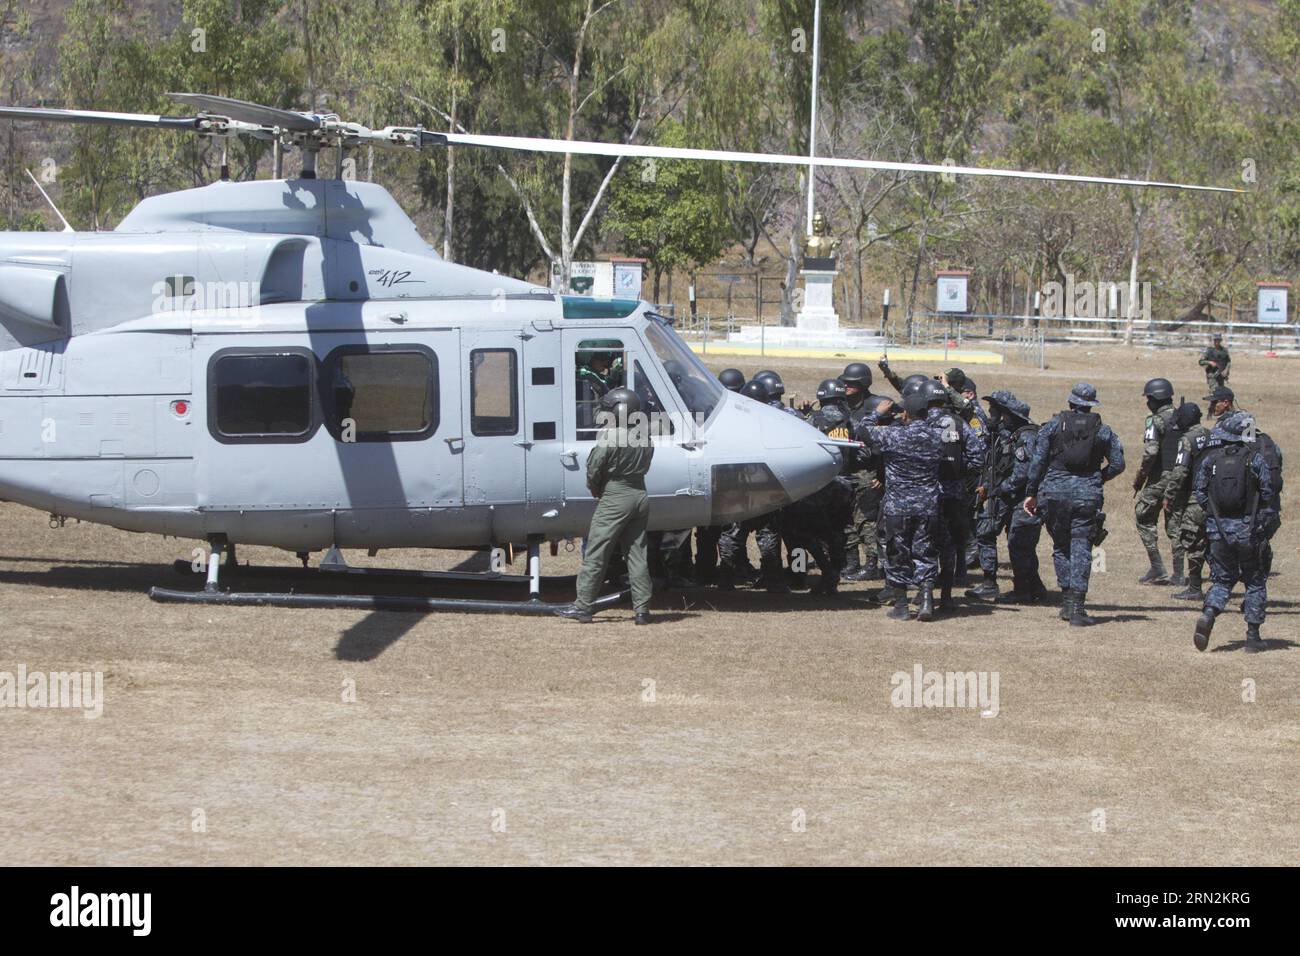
(669, 212)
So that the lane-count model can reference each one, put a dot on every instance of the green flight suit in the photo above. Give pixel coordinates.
(616, 471)
(1147, 507)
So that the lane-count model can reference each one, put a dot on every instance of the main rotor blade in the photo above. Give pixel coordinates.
(247, 112)
(587, 148)
(98, 117)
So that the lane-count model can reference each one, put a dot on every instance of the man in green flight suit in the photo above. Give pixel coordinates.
(616, 470)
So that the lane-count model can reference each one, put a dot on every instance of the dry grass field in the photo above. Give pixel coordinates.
(742, 728)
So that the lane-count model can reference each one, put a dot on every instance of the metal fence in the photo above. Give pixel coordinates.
(974, 331)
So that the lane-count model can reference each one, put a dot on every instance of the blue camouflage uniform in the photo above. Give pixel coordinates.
(954, 494)
(912, 453)
(1011, 449)
(1236, 543)
(1072, 502)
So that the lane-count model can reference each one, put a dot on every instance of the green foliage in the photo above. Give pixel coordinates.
(669, 212)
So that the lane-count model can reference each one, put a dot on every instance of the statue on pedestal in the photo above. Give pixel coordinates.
(819, 248)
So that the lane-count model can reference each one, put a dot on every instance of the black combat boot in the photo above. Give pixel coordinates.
(852, 570)
(871, 568)
(900, 611)
(1254, 643)
(642, 617)
(986, 590)
(1156, 574)
(1079, 616)
(1067, 604)
(945, 599)
(576, 614)
(1204, 625)
(1193, 590)
(1176, 579)
(726, 578)
(925, 604)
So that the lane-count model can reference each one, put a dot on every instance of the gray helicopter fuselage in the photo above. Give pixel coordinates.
(443, 410)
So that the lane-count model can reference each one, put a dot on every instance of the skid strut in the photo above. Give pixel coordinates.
(212, 594)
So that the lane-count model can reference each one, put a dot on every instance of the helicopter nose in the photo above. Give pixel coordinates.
(765, 458)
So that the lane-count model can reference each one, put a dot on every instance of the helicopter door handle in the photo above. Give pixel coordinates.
(524, 443)
(571, 457)
(455, 444)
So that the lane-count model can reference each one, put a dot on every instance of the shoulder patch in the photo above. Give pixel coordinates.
(1022, 453)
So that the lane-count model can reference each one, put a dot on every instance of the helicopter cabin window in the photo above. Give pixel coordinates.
(598, 367)
(261, 396)
(382, 394)
(494, 392)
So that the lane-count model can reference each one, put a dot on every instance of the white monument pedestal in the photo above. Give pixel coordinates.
(818, 312)
(816, 324)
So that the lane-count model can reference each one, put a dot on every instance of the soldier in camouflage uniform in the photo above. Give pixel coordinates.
(816, 525)
(1149, 484)
(1216, 362)
(732, 544)
(706, 537)
(1237, 534)
(1184, 512)
(1066, 471)
(912, 453)
(868, 481)
(1001, 490)
(616, 470)
(963, 449)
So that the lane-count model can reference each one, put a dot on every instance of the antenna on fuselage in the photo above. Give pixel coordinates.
(37, 183)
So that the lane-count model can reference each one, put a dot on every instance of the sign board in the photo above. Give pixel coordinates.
(586, 278)
(950, 291)
(627, 278)
(1272, 306)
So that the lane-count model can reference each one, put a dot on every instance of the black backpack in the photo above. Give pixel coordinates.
(1075, 445)
(1272, 455)
(1232, 487)
(953, 464)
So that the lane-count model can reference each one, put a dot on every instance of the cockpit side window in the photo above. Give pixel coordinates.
(650, 403)
(599, 365)
(699, 390)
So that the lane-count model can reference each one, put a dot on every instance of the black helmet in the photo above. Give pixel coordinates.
(732, 379)
(831, 390)
(757, 390)
(935, 393)
(1161, 389)
(857, 373)
(915, 402)
(775, 387)
(912, 383)
(621, 397)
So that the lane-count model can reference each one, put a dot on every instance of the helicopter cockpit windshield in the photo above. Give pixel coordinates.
(699, 391)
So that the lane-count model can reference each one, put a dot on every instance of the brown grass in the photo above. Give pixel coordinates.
(764, 706)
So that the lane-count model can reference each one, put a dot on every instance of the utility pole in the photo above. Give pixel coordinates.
(812, 126)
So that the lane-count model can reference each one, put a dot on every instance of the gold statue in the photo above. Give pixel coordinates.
(820, 245)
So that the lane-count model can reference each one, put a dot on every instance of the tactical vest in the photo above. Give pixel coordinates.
(1075, 445)
(1232, 487)
(953, 463)
(1169, 446)
(1002, 460)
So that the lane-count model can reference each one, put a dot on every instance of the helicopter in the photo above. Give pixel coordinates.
(286, 362)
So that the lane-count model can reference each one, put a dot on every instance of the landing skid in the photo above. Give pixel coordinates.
(534, 605)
